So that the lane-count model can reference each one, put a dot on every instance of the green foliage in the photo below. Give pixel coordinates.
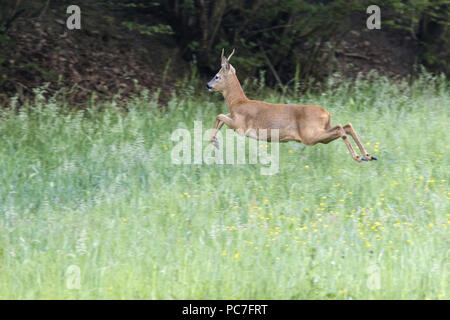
(428, 22)
(287, 33)
(295, 41)
(98, 190)
(148, 30)
(265, 32)
(46, 75)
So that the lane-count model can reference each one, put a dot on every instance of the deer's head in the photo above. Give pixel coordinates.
(224, 77)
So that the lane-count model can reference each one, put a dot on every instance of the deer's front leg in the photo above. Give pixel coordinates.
(221, 119)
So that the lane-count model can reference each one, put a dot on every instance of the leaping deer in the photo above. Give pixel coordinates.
(307, 124)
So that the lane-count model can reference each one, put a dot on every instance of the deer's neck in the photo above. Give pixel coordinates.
(234, 94)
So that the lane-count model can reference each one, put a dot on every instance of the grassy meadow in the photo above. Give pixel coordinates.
(95, 193)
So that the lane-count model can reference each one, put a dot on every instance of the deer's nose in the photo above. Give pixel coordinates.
(208, 87)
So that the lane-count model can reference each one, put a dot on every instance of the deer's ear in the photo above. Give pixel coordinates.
(225, 64)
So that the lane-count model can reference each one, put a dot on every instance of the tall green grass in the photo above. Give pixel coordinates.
(97, 190)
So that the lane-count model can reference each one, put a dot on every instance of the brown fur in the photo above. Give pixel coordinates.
(307, 124)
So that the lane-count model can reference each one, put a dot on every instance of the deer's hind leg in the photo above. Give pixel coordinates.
(326, 136)
(349, 130)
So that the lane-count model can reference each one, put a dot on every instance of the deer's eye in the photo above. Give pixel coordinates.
(217, 77)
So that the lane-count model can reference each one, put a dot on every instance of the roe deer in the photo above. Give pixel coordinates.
(307, 124)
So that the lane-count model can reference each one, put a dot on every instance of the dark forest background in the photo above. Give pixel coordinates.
(163, 44)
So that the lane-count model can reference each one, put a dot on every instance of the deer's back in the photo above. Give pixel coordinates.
(262, 114)
(294, 122)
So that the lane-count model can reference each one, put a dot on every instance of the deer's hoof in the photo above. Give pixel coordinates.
(373, 158)
(215, 142)
(364, 159)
